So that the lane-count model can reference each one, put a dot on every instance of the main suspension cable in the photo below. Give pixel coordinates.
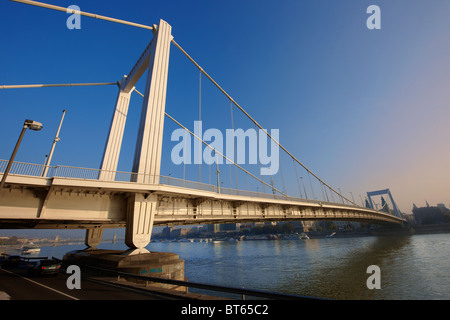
(22, 86)
(221, 154)
(253, 120)
(87, 14)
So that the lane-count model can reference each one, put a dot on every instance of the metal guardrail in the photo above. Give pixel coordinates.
(240, 291)
(36, 170)
(23, 168)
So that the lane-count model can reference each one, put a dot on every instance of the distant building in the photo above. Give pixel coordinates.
(226, 227)
(181, 232)
(166, 232)
(208, 228)
(245, 226)
(431, 215)
(308, 225)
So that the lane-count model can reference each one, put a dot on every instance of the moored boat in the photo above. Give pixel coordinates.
(30, 249)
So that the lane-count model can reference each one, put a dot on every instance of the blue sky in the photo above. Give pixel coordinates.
(363, 109)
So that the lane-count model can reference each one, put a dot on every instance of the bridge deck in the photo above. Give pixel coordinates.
(32, 201)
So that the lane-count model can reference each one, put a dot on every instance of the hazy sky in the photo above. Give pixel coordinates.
(363, 109)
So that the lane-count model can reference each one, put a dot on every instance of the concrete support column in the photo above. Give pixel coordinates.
(147, 158)
(93, 237)
(140, 215)
(114, 142)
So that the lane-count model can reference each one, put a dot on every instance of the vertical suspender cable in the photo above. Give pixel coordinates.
(298, 182)
(229, 170)
(304, 188)
(326, 194)
(260, 164)
(184, 159)
(323, 193)
(200, 119)
(234, 145)
(282, 179)
(312, 190)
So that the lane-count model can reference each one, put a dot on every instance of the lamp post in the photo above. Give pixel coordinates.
(50, 155)
(217, 171)
(28, 124)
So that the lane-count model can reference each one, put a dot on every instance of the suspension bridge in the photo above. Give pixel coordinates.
(58, 196)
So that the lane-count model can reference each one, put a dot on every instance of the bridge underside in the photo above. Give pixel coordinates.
(62, 203)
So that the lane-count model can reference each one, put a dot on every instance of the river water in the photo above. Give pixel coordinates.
(412, 267)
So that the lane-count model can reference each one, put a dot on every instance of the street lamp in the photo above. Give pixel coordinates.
(217, 171)
(47, 162)
(30, 124)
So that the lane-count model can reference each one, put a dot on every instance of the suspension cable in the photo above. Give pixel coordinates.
(87, 14)
(234, 145)
(221, 154)
(199, 119)
(21, 86)
(282, 178)
(298, 182)
(253, 120)
(310, 184)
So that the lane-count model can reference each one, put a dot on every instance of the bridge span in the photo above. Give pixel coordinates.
(64, 201)
(36, 196)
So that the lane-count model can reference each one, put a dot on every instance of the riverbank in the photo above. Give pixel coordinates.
(417, 229)
(16, 249)
(431, 229)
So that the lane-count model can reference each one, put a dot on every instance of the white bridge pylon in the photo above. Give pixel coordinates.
(147, 156)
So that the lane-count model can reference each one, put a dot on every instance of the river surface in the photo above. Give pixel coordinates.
(412, 267)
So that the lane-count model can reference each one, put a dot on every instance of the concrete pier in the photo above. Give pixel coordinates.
(153, 264)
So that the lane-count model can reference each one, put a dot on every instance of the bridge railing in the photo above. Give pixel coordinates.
(238, 192)
(23, 168)
(172, 181)
(37, 170)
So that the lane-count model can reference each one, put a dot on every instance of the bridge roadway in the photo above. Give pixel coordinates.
(59, 203)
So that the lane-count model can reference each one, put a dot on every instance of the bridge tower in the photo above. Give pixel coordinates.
(383, 192)
(141, 208)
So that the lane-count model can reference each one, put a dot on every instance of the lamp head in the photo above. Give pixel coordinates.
(33, 125)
